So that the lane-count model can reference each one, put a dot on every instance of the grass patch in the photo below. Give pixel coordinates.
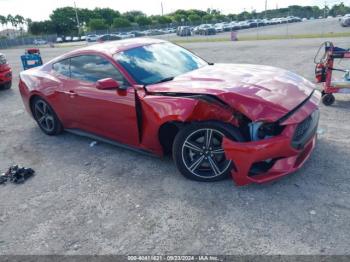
(261, 37)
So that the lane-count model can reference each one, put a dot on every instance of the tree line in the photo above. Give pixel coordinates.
(63, 21)
(17, 21)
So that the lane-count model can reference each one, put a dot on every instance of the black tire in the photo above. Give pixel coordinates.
(6, 86)
(201, 161)
(328, 99)
(46, 117)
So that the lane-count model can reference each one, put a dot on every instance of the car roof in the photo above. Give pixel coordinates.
(112, 47)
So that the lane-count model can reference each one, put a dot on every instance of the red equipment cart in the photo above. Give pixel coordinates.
(324, 70)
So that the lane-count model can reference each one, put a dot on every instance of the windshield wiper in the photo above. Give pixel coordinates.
(164, 80)
(160, 81)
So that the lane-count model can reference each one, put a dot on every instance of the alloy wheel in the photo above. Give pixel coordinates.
(44, 116)
(203, 155)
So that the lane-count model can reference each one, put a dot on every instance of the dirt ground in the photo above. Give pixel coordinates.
(108, 200)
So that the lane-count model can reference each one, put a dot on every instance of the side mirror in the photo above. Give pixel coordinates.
(107, 84)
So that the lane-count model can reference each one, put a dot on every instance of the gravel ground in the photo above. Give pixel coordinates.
(108, 200)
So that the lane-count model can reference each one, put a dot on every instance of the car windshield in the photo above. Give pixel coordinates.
(157, 62)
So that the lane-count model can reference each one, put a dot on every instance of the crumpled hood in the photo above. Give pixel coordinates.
(259, 92)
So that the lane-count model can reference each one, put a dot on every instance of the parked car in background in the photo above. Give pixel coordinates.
(172, 30)
(68, 39)
(39, 42)
(108, 37)
(345, 21)
(254, 123)
(184, 31)
(83, 38)
(5, 73)
(59, 40)
(219, 27)
(205, 29)
(137, 33)
(244, 25)
(76, 38)
(125, 35)
(235, 26)
(252, 23)
(92, 38)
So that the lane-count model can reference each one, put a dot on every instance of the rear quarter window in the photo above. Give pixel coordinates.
(62, 67)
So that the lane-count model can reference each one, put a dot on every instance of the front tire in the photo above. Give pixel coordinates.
(198, 154)
(46, 117)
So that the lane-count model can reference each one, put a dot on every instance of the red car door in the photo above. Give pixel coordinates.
(108, 113)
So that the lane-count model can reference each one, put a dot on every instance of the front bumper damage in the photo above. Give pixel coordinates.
(285, 153)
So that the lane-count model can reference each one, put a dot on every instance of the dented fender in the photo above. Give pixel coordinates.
(158, 109)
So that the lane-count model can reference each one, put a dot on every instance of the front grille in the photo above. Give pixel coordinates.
(302, 129)
(305, 130)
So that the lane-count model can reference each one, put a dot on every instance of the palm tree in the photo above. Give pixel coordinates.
(19, 20)
(9, 19)
(28, 21)
(3, 21)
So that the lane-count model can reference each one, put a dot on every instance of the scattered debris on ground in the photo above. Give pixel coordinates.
(16, 175)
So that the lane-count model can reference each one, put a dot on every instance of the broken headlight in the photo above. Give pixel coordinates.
(261, 130)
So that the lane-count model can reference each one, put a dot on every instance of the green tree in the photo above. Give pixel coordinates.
(19, 21)
(3, 20)
(42, 27)
(193, 18)
(107, 14)
(64, 20)
(220, 18)
(143, 20)
(10, 20)
(179, 18)
(232, 17)
(131, 15)
(97, 24)
(161, 19)
(208, 18)
(121, 22)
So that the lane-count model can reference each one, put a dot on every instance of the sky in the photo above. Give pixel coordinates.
(40, 9)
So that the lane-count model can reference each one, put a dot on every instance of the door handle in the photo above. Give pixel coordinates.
(70, 93)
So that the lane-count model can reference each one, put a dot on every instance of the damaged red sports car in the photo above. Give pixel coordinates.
(255, 123)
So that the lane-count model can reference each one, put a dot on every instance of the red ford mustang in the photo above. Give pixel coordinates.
(254, 122)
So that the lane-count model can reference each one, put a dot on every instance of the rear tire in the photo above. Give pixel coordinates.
(198, 154)
(328, 99)
(46, 117)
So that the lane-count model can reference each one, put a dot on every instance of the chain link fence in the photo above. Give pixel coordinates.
(26, 41)
(306, 29)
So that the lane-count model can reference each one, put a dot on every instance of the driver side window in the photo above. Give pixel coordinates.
(92, 68)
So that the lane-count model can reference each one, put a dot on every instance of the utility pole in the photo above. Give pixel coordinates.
(77, 17)
(265, 8)
(161, 6)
